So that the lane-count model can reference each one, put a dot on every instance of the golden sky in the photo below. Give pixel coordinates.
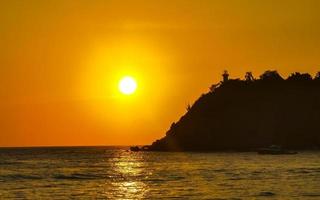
(61, 60)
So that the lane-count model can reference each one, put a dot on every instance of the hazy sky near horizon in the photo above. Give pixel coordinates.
(61, 60)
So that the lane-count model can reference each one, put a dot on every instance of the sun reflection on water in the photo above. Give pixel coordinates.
(130, 168)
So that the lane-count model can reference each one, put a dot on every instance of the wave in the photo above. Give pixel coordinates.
(304, 170)
(19, 177)
(266, 194)
(10, 162)
(75, 176)
(78, 176)
(311, 194)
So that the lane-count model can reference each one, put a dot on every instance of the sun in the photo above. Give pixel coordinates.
(127, 85)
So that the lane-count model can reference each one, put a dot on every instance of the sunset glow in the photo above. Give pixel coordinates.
(62, 61)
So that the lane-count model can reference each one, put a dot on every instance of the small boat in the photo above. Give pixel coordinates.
(145, 148)
(135, 148)
(275, 150)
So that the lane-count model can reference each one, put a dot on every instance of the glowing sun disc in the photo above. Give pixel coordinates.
(127, 85)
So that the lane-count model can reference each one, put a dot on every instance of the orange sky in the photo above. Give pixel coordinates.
(61, 60)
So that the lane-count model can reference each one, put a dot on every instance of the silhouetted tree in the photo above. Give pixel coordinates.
(299, 77)
(173, 125)
(317, 77)
(271, 76)
(188, 108)
(249, 77)
(213, 87)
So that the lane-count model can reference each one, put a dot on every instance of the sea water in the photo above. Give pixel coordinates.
(116, 173)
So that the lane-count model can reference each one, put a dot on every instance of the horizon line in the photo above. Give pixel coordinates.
(61, 146)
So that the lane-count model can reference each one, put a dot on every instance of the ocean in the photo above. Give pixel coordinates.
(116, 173)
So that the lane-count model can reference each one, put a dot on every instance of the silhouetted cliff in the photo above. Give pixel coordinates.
(249, 114)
